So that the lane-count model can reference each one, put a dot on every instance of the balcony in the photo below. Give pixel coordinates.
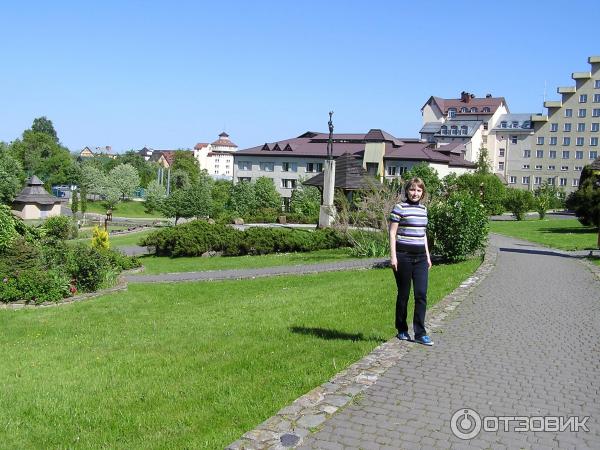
(539, 118)
(594, 59)
(581, 75)
(566, 90)
(552, 104)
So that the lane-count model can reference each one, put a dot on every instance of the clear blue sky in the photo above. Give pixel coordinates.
(170, 74)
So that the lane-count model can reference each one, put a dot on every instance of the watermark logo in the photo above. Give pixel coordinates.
(467, 423)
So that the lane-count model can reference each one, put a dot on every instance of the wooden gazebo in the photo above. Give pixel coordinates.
(34, 202)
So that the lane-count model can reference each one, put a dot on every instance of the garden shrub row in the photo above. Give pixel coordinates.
(198, 237)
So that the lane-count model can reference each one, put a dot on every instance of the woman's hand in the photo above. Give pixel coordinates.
(428, 262)
(394, 263)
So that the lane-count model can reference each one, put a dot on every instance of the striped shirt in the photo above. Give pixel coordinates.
(412, 222)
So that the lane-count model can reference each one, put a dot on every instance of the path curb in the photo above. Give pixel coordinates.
(291, 424)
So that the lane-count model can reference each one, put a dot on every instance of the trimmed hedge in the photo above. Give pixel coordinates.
(198, 237)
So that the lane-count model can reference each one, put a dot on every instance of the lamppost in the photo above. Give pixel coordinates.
(327, 210)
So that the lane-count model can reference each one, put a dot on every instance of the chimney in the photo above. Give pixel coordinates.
(488, 95)
(108, 149)
(465, 97)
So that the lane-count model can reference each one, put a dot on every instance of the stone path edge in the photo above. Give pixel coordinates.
(291, 424)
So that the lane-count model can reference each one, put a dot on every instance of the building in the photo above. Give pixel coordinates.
(98, 151)
(566, 138)
(34, 202)
(382, 155)
(467, 120)
(217, 157)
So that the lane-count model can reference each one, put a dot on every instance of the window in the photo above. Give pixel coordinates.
(563, 181)
(597, 84)
(596, 127)
(566, 154)
(526, 153)
(538, 167)
(578, 168)
(566, 141)
(244, 165)
(596, 112)
(314, 167)
(452, 112)
(514, 139)
(501, 152)
(580, 127)
(288, 183)
(553, 127)
(537, 180)
(567, 127)
(525, 180)
(403, 169)
(512, 180)
(578, 154)
(564, 168)
(581, 112)
(593, 154)
(391, 170)
(596, 98)
(503, 124)
(444, 129)
(579, 141)
(575, 182)
(553, 140)
(500, 165)
(583, 98)
(473, 109)
(485, 125)
(515, 124)
(525, 166)
(551, 167)
(539, 153)
(568, 112)
(244, 179)
(289, 167)
(454, 130)
(552, 154)
(540, 140)
(463, 130)
(551, 181)
(267, 166)
(486, 109)
(593, 141)
(463, 109)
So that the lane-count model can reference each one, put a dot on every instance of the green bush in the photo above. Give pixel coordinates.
(518, 202)
(88, 267)
(197, 237)
(370, 244)
(35, 286)
(489, 184)
(458, 227)
(7, 227)
(60, 228)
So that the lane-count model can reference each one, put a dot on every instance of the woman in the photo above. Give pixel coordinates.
(410, 260)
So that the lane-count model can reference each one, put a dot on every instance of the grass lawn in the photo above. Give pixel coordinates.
(190, 365)
(564, 234)
(128, 208)
(162, 264)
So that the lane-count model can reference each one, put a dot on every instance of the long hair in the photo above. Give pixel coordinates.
(417, 182)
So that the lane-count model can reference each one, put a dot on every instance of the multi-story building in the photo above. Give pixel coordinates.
(467, 120)
(566, 138)
(217, 157)
(383, 155)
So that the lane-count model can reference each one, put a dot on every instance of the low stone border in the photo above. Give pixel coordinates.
(120, 286)
(293, 423)
(595, 269)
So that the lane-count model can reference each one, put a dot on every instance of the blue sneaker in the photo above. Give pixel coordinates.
(403, 336)
(425, 340)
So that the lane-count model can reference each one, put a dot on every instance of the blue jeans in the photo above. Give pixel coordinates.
(412, 268)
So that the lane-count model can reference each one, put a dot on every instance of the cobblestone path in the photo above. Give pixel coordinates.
(526, 342)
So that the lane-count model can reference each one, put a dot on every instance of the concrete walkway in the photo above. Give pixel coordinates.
(526, 342)
(519, 339)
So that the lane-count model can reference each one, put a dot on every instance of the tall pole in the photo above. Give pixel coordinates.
(327, 211)
(330, 140)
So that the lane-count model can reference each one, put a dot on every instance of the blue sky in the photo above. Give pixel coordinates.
(170, 74)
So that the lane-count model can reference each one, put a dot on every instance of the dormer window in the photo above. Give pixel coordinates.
(463, 130)
(454, 130)
(444, 129)
(451, 112)
(486, 109)
(515, 124)
(503, 124)
(473, 109)
(463, 110)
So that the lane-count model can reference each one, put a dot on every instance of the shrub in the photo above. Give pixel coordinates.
(7, 227)
(585, 201)
(458, 227)
(100, 239)
(89, 267)
(36, 286)
(19, 255)
(491, 186)
(518, 202)
(371, 244)
(60, 228)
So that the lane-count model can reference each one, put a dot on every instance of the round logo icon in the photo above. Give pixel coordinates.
(465, 423)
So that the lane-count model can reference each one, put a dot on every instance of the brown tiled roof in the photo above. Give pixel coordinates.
(479, 102)
(200, 145)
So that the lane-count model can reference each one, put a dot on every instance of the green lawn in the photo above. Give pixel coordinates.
(128, 208)
(565, 234)
(162, 264)
(190, 365)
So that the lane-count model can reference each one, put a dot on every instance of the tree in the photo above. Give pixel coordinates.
(44, 125)
(518, 202)
(155, 195)
(199, 197)
(585, 201)
(176, 205)
(266, 195)
(74, 202)
(484, 166)
(185, 161)
(146, 170)
(92, 179)
(429, 176)
(221, 191)
(546, 197)
(305, 201)
(125, 179)
(487, 188)
(179, 179)
(11, 175)
(242, 200)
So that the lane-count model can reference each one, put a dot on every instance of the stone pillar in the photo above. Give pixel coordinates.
(327, 212)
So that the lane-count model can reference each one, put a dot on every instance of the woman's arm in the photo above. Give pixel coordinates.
(393, 231)
(427, 251)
